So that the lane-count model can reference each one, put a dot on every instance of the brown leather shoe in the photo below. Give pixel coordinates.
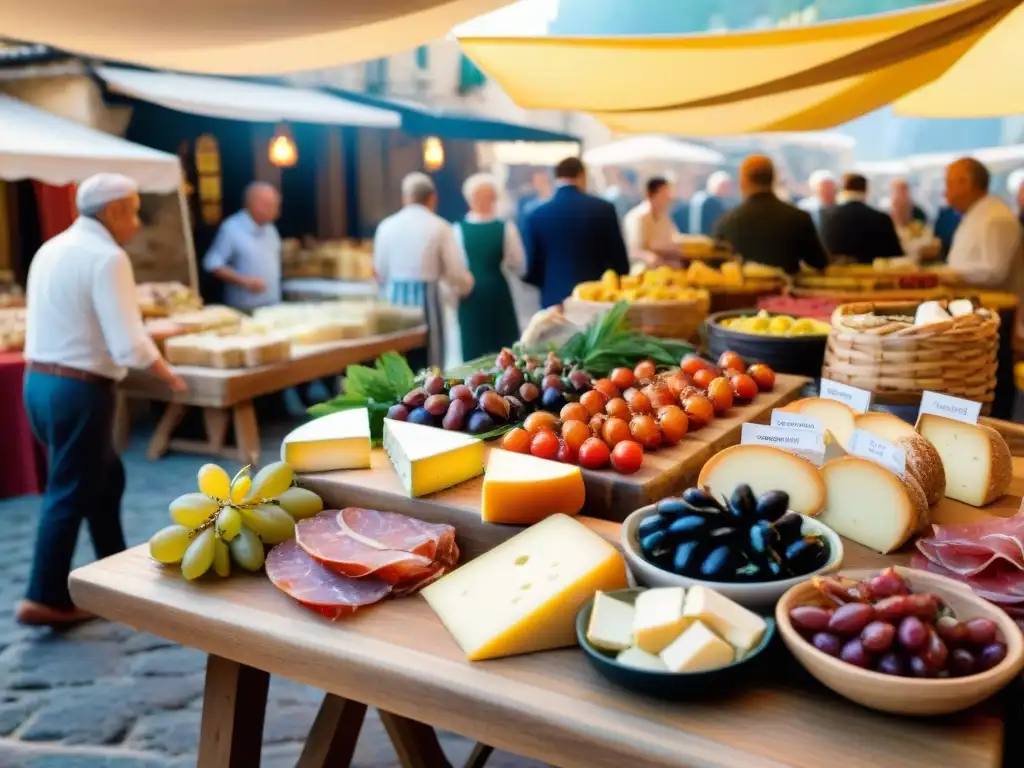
(35, 614)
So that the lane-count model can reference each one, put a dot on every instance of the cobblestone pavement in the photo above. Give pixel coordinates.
(105, 696)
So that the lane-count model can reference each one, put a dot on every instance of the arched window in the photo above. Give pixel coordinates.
(208, 177)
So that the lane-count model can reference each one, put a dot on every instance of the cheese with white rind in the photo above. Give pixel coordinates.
(741, 628)
(836, 417)
(976, 459)
(869, 504)
(658, 618)
(638, 659)
(924, 463)
(765, 469)
(336, 441)
(611, 624)
(697, 649)
(428, 460)
(960, 307)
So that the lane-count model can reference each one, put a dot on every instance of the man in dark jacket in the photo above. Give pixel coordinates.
(855, 229)
(572, 238)
(766, 230)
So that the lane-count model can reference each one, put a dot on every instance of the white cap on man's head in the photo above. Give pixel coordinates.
(716, 181)
(820, 177)
(102, 189)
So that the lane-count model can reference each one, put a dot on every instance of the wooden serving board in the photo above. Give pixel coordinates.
(610, 496)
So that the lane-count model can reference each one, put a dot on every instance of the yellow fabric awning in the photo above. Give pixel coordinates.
(804, 78)
(236, 37)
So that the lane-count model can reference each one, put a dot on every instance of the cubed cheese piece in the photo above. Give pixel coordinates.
(869, 504)
(923, 461)
(742, 628)
(659, 618)
(931, 312)
(428, 460)
(764, 469)
(611, 624)
(834, 416)
(961, 307)
(976, 459)
(523, 595)
(523, 489)
(337, 441)
(634, 657)
(698, 649)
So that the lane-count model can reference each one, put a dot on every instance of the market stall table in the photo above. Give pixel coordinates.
(227, 395)
(22, 460)
(326, 288)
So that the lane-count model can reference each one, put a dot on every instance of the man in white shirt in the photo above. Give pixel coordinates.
(987, 253)
(84, 330)
(414, 253)
(648, 229)
(822, 197)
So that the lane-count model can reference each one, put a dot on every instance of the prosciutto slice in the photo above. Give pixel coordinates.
(304, 579)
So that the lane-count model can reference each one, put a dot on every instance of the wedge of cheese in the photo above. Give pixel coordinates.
(740, 627)
(611, 623)
(765, 468)
(337, 441)
(658, 618)
(428, 460)
(924, 463)
(523, 595)
(976, 459)
(698, 649)
(871, 505)
(837, 418)
(523, 489)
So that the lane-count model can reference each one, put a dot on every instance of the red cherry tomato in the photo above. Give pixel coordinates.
(627, 457)
(594, 454)
(545, 445)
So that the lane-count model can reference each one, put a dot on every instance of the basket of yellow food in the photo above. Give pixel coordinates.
(788, 344)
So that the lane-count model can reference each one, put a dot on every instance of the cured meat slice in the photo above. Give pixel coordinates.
(319, 588)
(1011, 526)
(1002, 586)
(969, 558)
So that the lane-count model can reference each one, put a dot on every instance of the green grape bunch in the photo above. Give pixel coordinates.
(232, 520)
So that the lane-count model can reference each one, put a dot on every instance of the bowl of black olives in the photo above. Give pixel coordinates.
(750, 549)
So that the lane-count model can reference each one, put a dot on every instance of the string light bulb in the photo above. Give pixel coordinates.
(282, 151)
(433, 154)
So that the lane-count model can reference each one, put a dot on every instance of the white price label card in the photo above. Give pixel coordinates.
(858, 399)
(787, 420)
(951, 407)
(867, 446)
(800, 440)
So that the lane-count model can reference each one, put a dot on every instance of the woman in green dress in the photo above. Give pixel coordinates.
(494, 254)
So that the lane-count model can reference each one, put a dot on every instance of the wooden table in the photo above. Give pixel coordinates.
(227, 396)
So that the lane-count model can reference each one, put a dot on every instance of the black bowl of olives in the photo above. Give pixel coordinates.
(750, 549)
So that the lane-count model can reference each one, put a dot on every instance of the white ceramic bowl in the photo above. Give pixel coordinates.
(758, 596)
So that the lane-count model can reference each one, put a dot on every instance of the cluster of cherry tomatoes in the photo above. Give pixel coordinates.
(633, 410)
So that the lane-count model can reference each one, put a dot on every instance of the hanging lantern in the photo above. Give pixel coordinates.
(433, 154)
(282, 151)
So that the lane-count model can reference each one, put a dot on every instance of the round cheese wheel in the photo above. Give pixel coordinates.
(919, 501)
(925, 465)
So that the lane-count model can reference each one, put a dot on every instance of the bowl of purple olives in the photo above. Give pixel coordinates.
(901, 640)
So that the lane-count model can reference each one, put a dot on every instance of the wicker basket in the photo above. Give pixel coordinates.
(898, 361)
(664, 319)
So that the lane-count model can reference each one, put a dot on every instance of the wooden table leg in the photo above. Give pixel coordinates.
(161, 439)
(247, 433)
(332, 739)
(234, 705)
(216, 421)
(478, 757)
(416, 743)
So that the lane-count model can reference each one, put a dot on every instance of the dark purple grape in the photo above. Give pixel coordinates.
(552, 381)
(552, 400)
(991, 655)
(855, 653)
(437, 405)
(455, 419)
(421, 416)
(434, 385)
(912, 633)
(479, 422)
(878, 636)
(398, 412)
(477, 379)
(827, 643)
(887, 584)
(810, 618)
(461, 392)
(922, 605)
(981, 631)
(415, 398)
(919, 667)
(529, 392)
(961, 662)
(580, 380)
(934, 651)
(951, 631)
(848, 620)
(892, 664)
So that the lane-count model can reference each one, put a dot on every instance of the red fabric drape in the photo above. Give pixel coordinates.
(56, 208)
(22, 459)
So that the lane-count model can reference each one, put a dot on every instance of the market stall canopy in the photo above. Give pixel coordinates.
(644, 149)
(35, 144)
(792, 79)
(242, 100)
(238, 38)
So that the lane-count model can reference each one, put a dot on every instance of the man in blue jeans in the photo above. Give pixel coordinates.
(84, 330)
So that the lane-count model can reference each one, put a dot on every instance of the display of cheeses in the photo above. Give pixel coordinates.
(835, 417)
(523, 489)
(670, 629)
(977, 462)
(213, 350)
(428, 460)
(523, 595)
(923, 461)
(163, 299)
(764, 469)
(336, 441)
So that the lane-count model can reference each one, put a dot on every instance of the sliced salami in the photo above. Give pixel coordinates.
(319, 588)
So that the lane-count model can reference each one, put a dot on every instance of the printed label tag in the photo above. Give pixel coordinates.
(787, 420)
(951, 407)
(790, 439)
(867, 446)
(858, 399)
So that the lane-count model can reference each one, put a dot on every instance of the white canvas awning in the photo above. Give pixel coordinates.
(651, 149)
(35, 144)
(237, 38)
(240, 100)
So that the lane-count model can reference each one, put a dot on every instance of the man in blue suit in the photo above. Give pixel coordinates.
(572, 238)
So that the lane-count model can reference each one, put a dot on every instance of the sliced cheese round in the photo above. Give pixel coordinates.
(869, 504)
(765, 469)
(977, 462)
(522, 489)
(923, 461)
(838, 418)
(920, 502)
(884, 425)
